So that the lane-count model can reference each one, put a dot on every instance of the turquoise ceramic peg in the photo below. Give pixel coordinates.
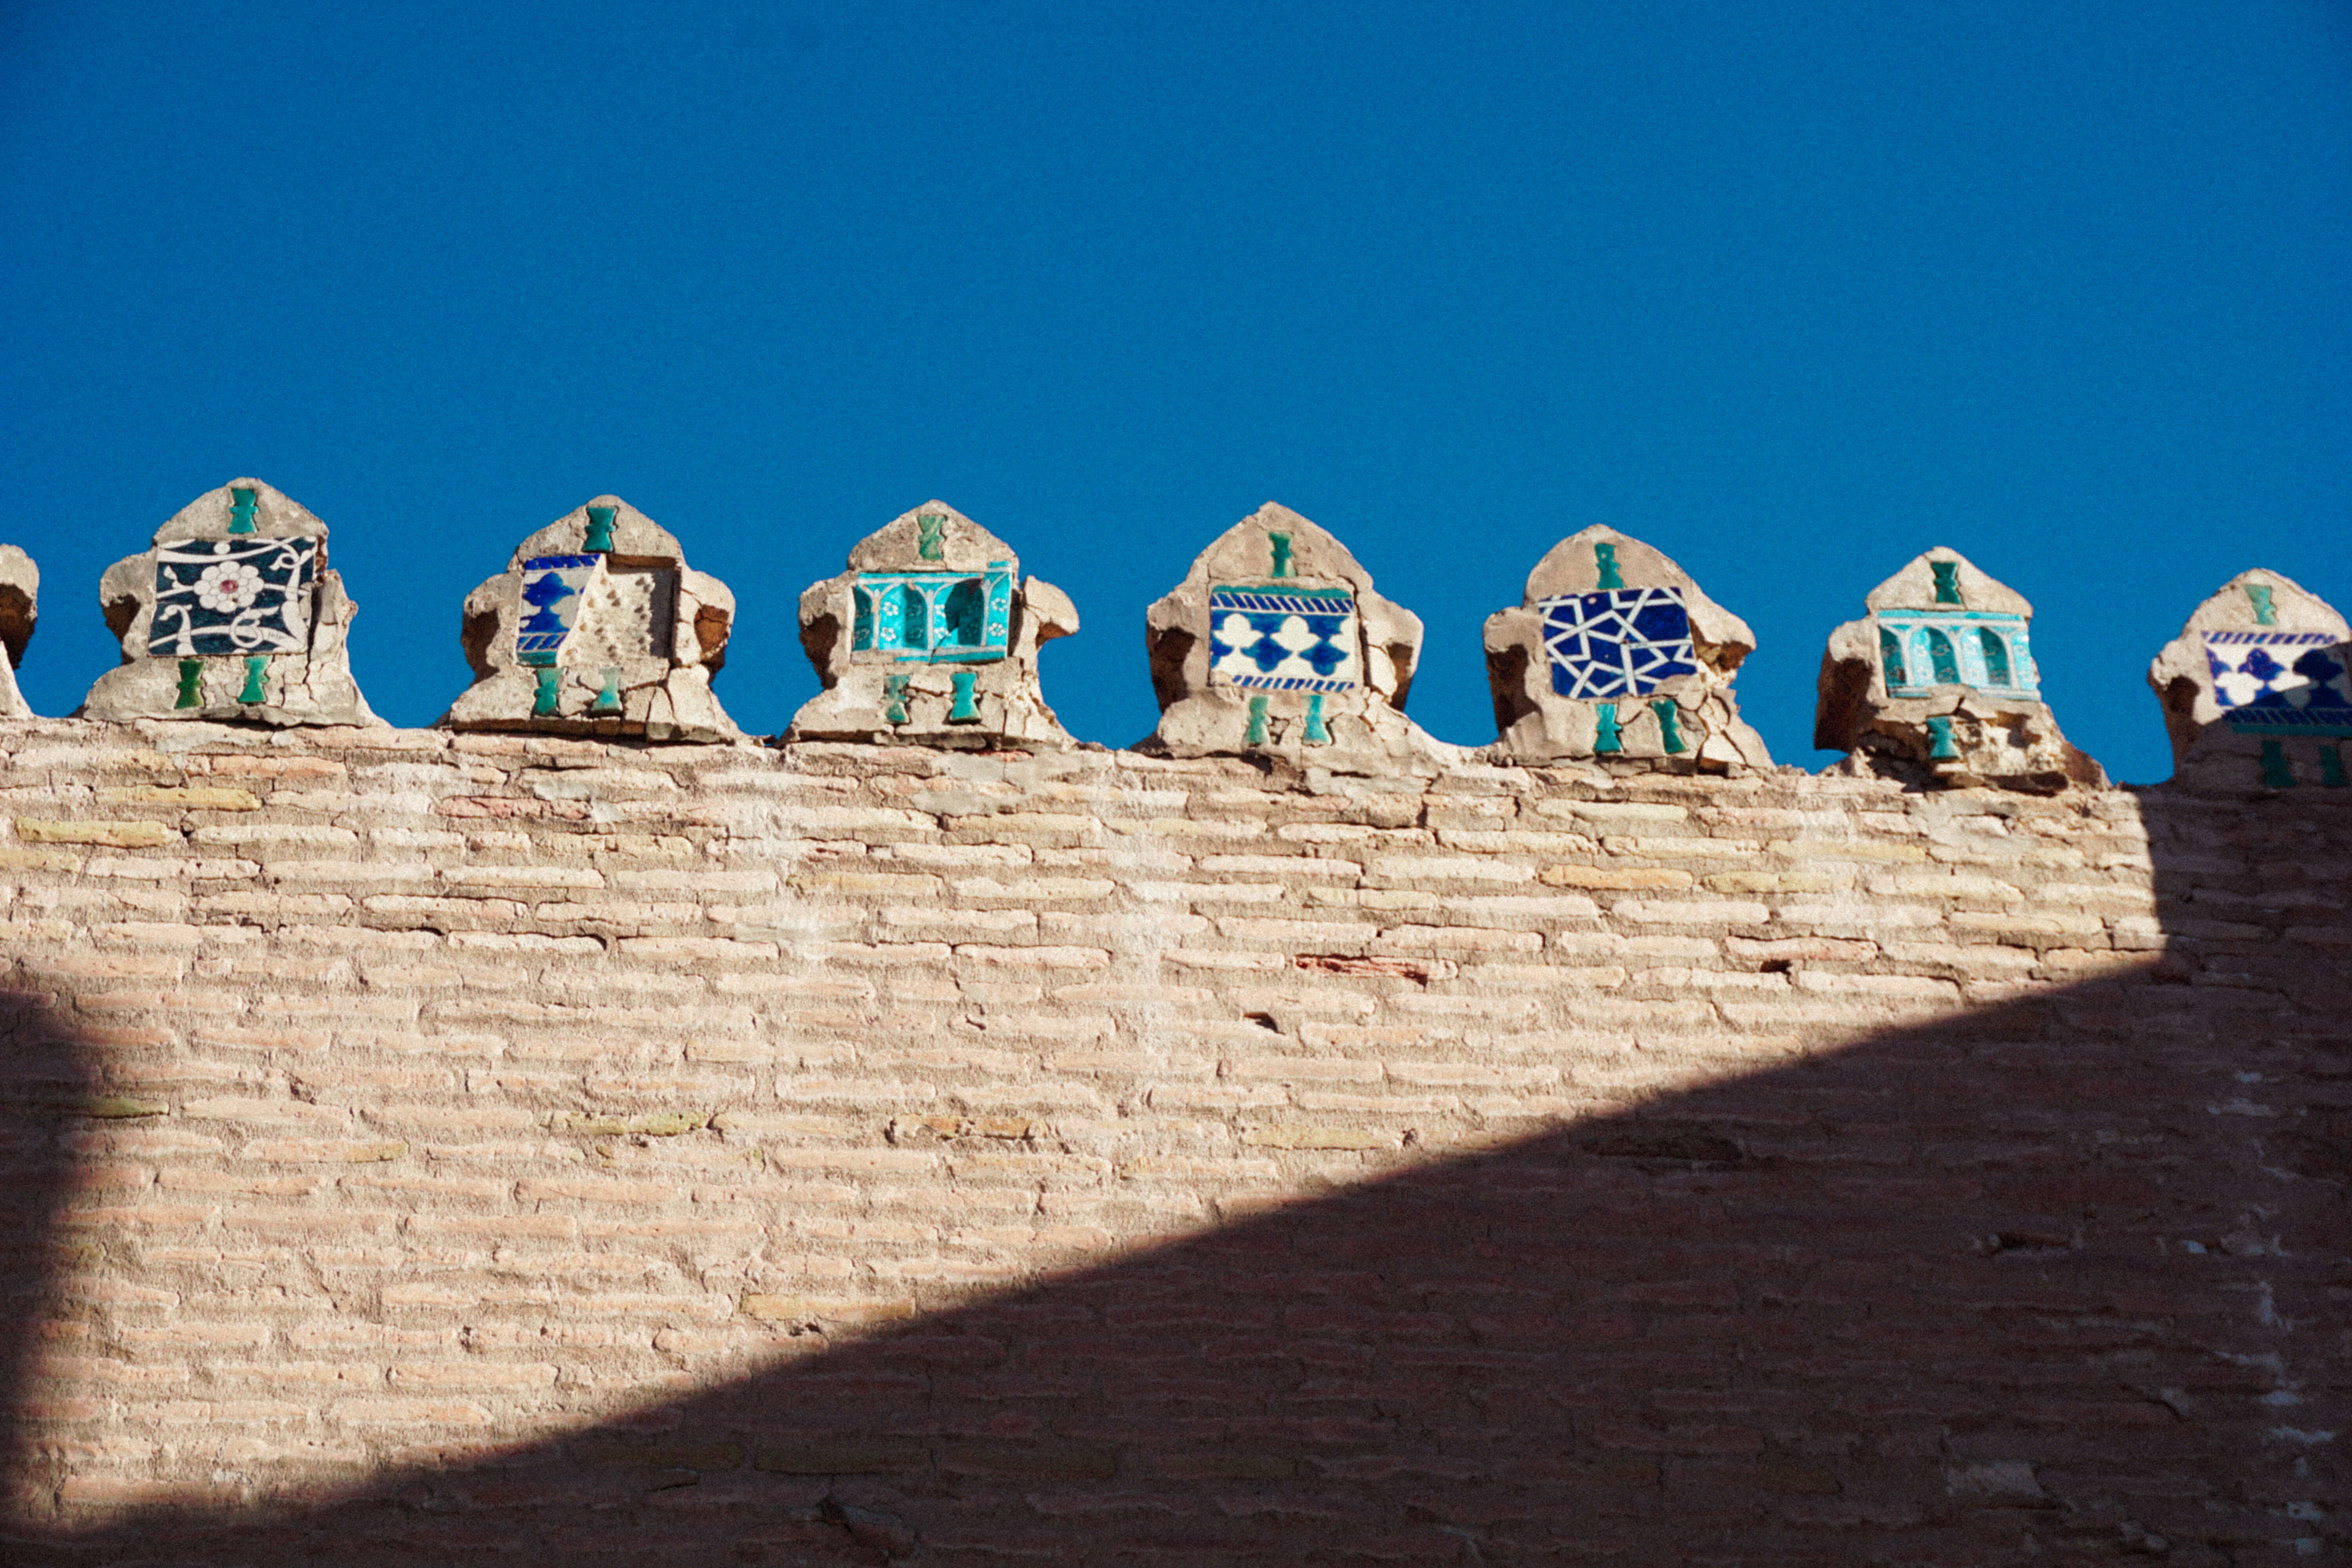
(964, 712)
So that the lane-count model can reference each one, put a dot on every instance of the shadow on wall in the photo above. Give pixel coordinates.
(51, 1111)
(2066, 1275)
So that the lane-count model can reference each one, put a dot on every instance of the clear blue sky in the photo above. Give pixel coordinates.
(1792, 290)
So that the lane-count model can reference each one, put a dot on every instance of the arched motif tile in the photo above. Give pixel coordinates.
(1936, 684)
(931, 638)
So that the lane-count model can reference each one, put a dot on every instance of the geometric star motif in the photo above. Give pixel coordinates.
(1617, 642)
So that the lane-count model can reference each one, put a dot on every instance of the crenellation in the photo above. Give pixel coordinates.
(1616, 658)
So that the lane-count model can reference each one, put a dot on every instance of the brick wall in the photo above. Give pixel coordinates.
(432, 1147)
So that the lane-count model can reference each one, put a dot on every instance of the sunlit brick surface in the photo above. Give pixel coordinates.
(435, 1147)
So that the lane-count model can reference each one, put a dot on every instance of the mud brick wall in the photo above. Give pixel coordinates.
(429, 1148)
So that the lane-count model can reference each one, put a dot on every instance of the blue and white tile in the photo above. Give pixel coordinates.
(553, 590)
(2252, 666)
(1278, 637)
(1617, 642)
(2311, 697)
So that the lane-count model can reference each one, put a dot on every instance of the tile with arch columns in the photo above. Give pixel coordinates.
(934, 617)
(231, 614)
(1615, 656)
(1986, 651)
(598, 626)
(931, 638)
(1936, 684)
(2257, 689)
(1277, 645)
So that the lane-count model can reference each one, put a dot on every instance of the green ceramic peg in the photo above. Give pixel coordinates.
(932, 531)
(1947, 581)
(542, 702)
(2265, 613)
(241, 512)
(894, 699)
(608, 696)
(192, 678)
(1939, 737)
(1604, 561)
(2331, 767)
(965, 710)
(1280, 544)
(1606, 739)
(2276, 773)
(1257, 736)
(599, 530)
(1670, 734)
(254, 665)
(1317, 735)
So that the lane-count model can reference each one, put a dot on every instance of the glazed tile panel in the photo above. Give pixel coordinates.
(2282, 683)
(1618, 642)
(232, 596)
(551, 590)
(960, 617)
(2254, 667)
(1283, 638)
(1919, 650)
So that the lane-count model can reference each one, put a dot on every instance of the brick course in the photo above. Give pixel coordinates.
(434, 1147)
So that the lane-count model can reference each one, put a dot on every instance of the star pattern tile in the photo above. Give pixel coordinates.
(1618, 642)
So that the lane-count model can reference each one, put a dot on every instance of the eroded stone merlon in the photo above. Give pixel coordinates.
(598, 626)
(931, 638)
(2255, 689)
(1616, 656)
(1937, 685)
(1276, 645)
(20, 603)
(233, 614)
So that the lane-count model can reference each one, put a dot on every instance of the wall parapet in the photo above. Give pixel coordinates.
(1275, 649)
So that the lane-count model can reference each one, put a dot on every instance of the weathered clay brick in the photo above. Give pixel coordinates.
(196, 797)
(1122, 1157)
(112, 835)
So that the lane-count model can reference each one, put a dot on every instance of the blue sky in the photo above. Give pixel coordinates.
(1792, 290)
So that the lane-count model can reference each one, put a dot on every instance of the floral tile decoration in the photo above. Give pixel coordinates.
(1617, 642)
(232, 597)
(1284, 639)
(2252, 667)
(944, 618)
(551, 590)
(1919, 650)
(2266, 695)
